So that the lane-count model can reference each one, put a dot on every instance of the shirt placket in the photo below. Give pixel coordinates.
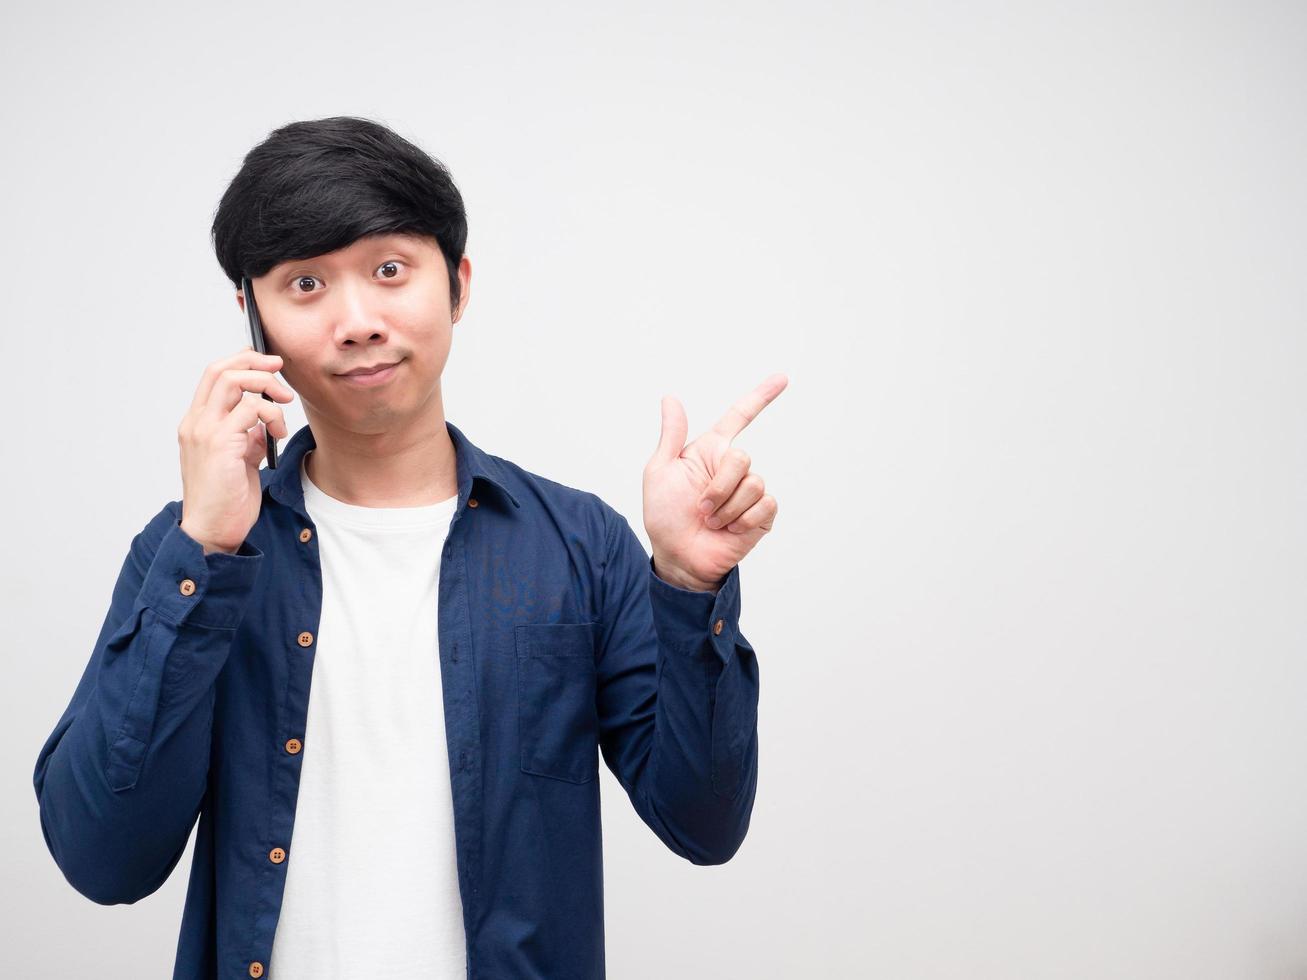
(462, 716)
(300, 624)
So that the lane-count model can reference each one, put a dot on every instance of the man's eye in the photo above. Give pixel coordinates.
(391, 266)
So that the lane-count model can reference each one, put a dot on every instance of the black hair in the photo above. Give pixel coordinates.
(314, 186)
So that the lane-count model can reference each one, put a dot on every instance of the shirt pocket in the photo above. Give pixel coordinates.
(558, 720)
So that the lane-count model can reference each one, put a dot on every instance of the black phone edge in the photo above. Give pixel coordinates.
(256, 337)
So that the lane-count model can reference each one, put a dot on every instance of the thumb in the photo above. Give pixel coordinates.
(672, 438)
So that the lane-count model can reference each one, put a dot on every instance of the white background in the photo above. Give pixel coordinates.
(1031, 622)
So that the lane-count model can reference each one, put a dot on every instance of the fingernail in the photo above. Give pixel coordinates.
(705, 506)
(714, 522)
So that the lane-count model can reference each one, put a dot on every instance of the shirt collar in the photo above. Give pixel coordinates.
(472, 464)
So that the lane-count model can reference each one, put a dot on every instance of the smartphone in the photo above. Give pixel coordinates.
(260, 345)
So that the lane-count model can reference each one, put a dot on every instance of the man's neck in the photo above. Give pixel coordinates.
(412, 469)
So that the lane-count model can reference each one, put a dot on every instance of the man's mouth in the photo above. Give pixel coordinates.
(373, 377)
(371, 369)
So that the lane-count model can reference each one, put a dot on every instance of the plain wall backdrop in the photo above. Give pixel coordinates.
(1031, 622)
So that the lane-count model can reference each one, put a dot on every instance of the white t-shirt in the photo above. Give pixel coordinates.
(371, 872)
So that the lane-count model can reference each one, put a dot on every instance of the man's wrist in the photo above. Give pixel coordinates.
(670, 574)
(208, 547)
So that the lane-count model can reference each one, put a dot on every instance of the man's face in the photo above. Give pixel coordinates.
(382, 299)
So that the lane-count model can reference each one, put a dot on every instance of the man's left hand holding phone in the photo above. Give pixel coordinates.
(220, 445)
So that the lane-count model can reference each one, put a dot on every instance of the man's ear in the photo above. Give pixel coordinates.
(464, 286)
(240, 300)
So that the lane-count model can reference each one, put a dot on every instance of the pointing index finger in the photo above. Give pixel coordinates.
(747, 407)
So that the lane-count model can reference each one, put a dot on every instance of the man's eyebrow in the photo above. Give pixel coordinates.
(395, 241)
(407, 237)
(384, 242)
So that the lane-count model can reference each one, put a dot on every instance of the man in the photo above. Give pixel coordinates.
(380, 672)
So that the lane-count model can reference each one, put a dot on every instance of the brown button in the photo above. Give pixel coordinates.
(293, 746)
(717, 628)
(256, 969)
(305, 638)
(471, 501)
(187, 587)
(306, 534)
(276, 855)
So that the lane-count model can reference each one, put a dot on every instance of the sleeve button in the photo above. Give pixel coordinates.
(186, 587)
(717, 628)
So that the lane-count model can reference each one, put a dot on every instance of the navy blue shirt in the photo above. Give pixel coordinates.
(558, 643)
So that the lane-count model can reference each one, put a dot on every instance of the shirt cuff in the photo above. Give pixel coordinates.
(686, 619)
(186, 585)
